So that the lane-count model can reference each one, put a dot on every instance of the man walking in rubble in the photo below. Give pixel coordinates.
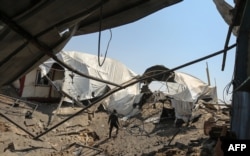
(114, 122)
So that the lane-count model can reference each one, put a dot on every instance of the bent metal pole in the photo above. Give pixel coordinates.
(95, 102)
(16, 124)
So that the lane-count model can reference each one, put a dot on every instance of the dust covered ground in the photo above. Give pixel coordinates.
(87, 134)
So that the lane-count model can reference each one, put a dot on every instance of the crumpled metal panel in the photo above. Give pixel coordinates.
(31, 31)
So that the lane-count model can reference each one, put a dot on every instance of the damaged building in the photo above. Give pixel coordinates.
(58, 103)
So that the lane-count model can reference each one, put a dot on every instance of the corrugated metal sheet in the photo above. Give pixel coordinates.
(240, 123)
(29, 29)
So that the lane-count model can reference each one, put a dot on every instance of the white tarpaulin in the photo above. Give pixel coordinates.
(185, 91)
(192, 90)
(82, 88)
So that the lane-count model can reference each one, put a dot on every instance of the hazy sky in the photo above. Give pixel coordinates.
(171, 37)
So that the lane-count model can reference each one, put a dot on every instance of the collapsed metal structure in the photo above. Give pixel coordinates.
(127, 84)
(238, 20)
(33, 31)
(34, 43)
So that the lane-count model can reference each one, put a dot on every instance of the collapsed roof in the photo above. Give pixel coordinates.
(33, 31)
(182, 86)
(184, 90)
(159, 73)
(74, 88)
(82, 88)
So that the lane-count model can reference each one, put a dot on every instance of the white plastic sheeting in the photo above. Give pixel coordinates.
(78, 87)
(125, 105)
(81, 88)
(185, 92)
(183, 109)
(192, 90)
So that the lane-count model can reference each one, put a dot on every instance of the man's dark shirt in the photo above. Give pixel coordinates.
(113, 119)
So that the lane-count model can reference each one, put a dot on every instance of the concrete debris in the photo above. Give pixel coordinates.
(29, 123)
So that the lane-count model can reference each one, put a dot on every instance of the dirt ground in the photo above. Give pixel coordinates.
(87, 134)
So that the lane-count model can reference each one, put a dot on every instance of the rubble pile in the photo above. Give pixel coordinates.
(154, 131)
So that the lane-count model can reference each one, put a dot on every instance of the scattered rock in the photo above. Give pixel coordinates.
(29, 122)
